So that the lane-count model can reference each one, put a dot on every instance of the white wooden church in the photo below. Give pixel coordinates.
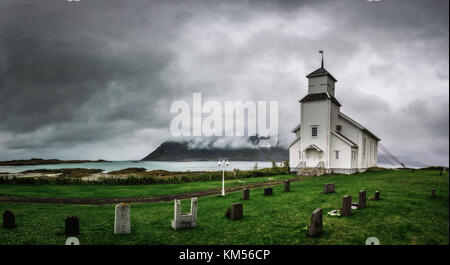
(327, 140)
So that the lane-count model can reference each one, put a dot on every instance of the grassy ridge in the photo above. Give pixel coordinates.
(406, 214)
(111, 191)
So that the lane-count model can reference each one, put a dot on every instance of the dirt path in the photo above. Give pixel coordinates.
(161, 198)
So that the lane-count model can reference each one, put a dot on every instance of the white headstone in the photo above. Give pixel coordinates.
(185, 220)
(122, 219)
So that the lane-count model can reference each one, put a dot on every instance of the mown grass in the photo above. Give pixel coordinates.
(406, 214)
(111, 191)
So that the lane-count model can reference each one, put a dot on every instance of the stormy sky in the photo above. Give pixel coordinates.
(95, 79)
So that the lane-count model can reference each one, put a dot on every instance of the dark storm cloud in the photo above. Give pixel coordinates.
(95, 79)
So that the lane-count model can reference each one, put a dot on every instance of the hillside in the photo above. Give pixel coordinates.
(181, 151)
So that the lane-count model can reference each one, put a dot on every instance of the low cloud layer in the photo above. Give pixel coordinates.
(95, 79)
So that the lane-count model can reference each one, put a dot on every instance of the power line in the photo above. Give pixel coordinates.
(390, 155)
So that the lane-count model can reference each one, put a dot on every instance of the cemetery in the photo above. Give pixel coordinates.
(397, 207)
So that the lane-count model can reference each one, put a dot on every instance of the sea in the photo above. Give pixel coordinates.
(149, 165)
(156, 165)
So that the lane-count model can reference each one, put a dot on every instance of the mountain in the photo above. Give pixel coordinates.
(185, 151)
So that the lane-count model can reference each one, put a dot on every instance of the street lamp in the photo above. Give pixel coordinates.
(223, 163)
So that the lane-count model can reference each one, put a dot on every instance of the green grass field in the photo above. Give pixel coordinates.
(406, 213)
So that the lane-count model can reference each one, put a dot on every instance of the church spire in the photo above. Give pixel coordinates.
(322, 58)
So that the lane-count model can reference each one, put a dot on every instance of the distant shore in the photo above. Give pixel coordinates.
(39, 161)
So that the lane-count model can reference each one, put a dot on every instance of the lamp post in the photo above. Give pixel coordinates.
(223, 162)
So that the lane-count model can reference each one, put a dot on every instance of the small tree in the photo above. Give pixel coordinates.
(255, 167)
(274, 165)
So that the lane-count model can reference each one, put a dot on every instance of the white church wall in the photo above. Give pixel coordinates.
(315, 113)
(294, 155)
(369, 159)
(344, 160)
(349, 130)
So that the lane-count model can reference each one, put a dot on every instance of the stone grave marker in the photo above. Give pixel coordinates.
(377, 196)
(268, 191)
(287, 186)
(236, 211)
(346, 209)
(315, 228)
(362, 200)
(328, 188)
(122, 219)
(185, 220)
(433, 193)
(245, 194)
(9, 220)
(72, 225)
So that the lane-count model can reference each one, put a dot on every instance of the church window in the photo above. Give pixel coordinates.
(364, 147)
(336, 154)
(314, 131)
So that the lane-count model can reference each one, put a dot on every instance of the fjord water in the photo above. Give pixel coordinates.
(149, 165)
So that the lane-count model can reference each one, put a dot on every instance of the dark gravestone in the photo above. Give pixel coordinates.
(315, 228)
(440, 173)
(268, 191)
(9, 220)
(237, 211)
(246, 194)
(287, 185)
(433, 193)
(72, 225)
(362, 199)
(328, 188)
(377, 196)
(346, 209)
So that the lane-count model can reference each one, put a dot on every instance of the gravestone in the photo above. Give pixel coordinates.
(185, 220)
(268, 191)
(433, 193)
(328, 188)
(245, 194)
(362, 199)
(377, 196)
(346, 209)
(122, 219)
(234, 173)
(315, 228)
(72, 225)
(237, 211)
(9, 220)
(287, 186)
(440, 172)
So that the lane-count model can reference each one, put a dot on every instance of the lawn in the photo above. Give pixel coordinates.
(406, 214)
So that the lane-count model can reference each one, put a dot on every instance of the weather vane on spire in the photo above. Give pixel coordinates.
(322, 57)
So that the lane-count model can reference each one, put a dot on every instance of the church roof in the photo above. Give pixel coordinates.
(296, 128)
(364, 129)
(319, 72)
(320, 96)
(313, 146)
(340, 135)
